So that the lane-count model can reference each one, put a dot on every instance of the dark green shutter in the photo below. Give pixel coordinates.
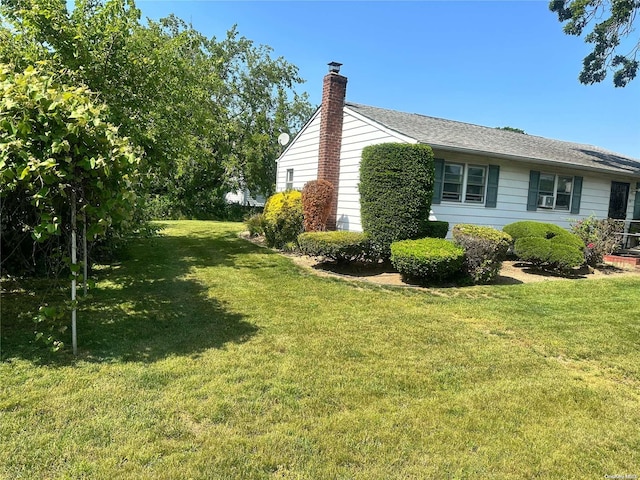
(577, 193)
(492, 186)
(437, 185)
(534, 184)
(636, 203)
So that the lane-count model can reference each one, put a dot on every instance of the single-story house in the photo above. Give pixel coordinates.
(485, 176)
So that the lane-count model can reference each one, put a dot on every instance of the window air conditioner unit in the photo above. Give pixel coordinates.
(545, 201)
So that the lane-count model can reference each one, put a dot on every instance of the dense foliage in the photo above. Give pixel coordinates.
(55, 146)
(396, 187)
(255, 224)
(205, 112)
(600, 237)
(283, 218)
(436, 229)
(339, 246)
(544, 253)
(546, 245)
(316, 204)
(613, 22)
(427, 259)
(485, 248)
(527, 228)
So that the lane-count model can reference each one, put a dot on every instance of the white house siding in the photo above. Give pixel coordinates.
(513, 188)
(357, 133)
(301, 155)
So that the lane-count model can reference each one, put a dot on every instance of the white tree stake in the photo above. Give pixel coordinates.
(74, 261)
(84, 250)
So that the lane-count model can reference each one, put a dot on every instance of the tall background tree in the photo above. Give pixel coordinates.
(206, 112)
(612, 25)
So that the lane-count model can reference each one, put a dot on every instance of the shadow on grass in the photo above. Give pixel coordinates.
(145, 308)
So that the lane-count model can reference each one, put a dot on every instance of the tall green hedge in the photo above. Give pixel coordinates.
(396, 186)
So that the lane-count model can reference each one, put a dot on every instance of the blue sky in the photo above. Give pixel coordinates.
(500, 63)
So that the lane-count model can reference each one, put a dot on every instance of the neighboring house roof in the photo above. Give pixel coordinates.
(464, 137)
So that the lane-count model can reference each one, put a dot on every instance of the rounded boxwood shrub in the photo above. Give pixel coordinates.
(546, 245)
(396, 187)
(565, 257)
(569, 239)
(283, 219)
(485, 249)
(528, 228)
(427, 258)
(436, 229)
(536, 250)
(339, 246)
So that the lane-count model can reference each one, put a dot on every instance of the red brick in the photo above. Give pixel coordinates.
(334, 90)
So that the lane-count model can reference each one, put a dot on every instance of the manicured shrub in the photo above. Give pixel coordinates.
(427, 258)
(569, 239)
(396, 186)
(255, 224)
(485, 248)
(339, 246)
(535, 250)
(316, 204)
(529, 228)
(546, 245)
(283, 218)
(436, 229)
(599, 236)
(565, 257)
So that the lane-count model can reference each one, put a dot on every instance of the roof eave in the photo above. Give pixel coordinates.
(540, 161)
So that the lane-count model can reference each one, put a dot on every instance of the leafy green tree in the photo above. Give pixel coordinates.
(54, 146)
(613, 21)
(60, 158)
(206, 112)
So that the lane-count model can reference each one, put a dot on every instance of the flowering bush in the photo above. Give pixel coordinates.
(599, 236)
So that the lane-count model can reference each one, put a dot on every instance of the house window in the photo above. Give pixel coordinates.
(452, 186)
(476, 182)
(289, 179)
(554, 191)
(464, 181)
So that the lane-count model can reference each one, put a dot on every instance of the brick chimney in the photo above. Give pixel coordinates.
(334, 89)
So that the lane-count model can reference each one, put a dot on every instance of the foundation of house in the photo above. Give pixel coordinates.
(629, 258)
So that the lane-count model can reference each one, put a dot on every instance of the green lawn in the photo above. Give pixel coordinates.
(204, 356)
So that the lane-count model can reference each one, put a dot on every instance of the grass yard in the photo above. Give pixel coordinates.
(204, 356)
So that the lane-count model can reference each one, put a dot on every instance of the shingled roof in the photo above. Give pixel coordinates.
(464, 137)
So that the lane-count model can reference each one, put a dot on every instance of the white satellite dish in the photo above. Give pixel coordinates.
(283, 139)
